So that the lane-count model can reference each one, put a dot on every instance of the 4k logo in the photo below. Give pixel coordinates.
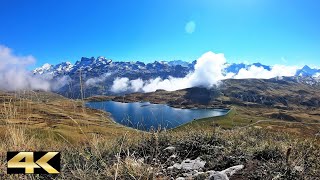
(33, 162)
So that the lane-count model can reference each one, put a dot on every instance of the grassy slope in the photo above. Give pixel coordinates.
(47, 115)
(90, 142)
(237, 118)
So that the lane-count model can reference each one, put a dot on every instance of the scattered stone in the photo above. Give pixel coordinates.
(159, 175)
(198, 173)
(180, 178)
(214, 175)
(190, 164)
(173, 156)
(299, 168)
(192, 169)
(140, 160)
(232, 170)
(170, 149)
(225, 174)
(191, 174)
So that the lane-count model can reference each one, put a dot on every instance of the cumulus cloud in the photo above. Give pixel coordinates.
(13, 73)
(120, 85)
(169, 84)
(190, 27)
(261, 73)
(96, 80)
(137, 85)
(208, 72)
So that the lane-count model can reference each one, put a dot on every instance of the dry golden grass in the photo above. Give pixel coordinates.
(94, 147)
(52, 115)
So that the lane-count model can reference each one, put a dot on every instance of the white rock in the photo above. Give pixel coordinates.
(214, 175)
(198, 174)
(140, 160)
(170, 148)
(298, 168)
(193, 174)
(173, 156)
(170, 168)
(223, 175)
(232, 170)
(180, 178)
(190, 164)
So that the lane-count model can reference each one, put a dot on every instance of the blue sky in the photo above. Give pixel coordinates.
(266, 31)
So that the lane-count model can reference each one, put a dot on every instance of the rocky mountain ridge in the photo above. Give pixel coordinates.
(98, 74)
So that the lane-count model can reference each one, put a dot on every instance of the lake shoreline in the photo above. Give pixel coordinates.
(128, 99)
(146, 115)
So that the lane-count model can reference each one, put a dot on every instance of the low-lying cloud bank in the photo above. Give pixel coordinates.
(209, 71)
(96, 80)
(14, 75)
(261, 73)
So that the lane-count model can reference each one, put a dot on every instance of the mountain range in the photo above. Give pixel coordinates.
(97, 74)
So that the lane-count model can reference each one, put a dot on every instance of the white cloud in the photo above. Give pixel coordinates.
(58, 83)
(208, 72)
(169, 84)
(124, 84)
(96, 80)
(136, 85)
(261, 73)
(317, 75)
(13, 73)
(190, 27)
(8, 59)
(120, 85)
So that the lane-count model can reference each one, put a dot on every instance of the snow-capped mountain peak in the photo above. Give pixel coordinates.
(43, 69)
(102, 60)
(63, 67)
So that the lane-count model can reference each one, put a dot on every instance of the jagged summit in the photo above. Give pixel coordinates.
(43, 69)
(61, 68)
